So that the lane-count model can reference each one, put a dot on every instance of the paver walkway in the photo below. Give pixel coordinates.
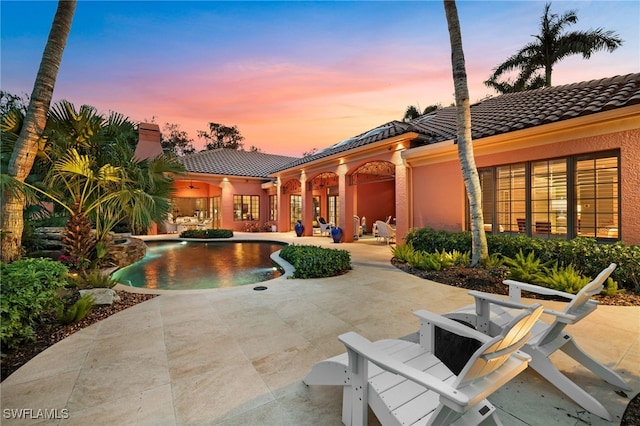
(237, 356)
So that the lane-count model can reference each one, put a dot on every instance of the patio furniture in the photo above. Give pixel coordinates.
(522, 225)
(405, 382)
(385, 231)
(490, 314)
(543, 227)
(324, 226)
(357, 230)
(206, 224)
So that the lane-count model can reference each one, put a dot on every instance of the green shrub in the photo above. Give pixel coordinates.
(585, 254)
(207, 233)
(77, 311)
(429, 240)
(28, 292)
(316, 262)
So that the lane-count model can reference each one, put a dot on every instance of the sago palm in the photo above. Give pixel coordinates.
(551, 46)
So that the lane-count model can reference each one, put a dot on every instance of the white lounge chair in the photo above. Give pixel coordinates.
(385, 231)
(405, 382)
(324, 226)
(490, 313)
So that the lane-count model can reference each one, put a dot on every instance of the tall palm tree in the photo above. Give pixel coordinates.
(551, 46)
(480, 249)
(27, 144)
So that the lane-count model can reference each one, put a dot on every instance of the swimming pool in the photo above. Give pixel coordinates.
(188, 265)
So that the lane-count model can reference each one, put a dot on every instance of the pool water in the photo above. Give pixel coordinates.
(188, 265)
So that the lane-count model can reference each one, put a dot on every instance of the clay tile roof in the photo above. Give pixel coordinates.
(515, 111)
(385, 131)
(234, 163)
(503, 114)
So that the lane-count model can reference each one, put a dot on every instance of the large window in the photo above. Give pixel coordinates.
(246, 207)
(549, 197)
(562, 197)
(597, 190)
(511, 197)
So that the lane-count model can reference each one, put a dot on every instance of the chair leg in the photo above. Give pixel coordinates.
(545, 367)
(608, 375)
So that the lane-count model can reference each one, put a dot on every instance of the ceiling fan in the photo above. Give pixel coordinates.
(191, 186)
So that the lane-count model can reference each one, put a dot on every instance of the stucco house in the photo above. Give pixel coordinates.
(554, 162)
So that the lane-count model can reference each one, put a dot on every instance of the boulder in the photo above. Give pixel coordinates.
(102, 296)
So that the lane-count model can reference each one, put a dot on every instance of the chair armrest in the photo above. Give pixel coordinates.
(516, 286)
(508, 303)
(451, 325)
(360, 345)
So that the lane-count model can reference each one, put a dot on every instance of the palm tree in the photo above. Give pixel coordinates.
(26, 146)
(550, 47)
(480, 250)
(411, 113)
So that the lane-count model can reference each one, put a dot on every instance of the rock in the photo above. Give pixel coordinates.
(102, 296)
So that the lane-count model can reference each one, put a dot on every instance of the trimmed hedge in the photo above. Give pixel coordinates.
(28, 293)
(207, 233)
(316, 262)
(585, 254)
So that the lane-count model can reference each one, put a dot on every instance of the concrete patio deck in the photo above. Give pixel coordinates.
(236, 356)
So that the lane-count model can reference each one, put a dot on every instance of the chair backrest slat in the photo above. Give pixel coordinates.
(490, 356)
(578, 305)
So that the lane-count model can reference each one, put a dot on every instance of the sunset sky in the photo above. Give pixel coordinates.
(291, 75)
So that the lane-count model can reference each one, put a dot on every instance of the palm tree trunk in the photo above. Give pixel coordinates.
(480, 250)
(26, 146)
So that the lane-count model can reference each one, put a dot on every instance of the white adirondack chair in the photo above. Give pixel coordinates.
(490, 313)
(404, 382)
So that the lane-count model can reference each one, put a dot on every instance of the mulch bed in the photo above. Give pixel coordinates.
(481, 280)
(50, 331)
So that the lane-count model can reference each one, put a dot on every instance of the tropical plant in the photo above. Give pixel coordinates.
(611, 288)
(566, 279)
(402, 252)
(87, 165)
(77, 311)
(466, 156)
(528, 269)
(98, 279)
(551, 46)
(26, 146)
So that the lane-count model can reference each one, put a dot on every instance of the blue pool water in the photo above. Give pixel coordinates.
(196, 265)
